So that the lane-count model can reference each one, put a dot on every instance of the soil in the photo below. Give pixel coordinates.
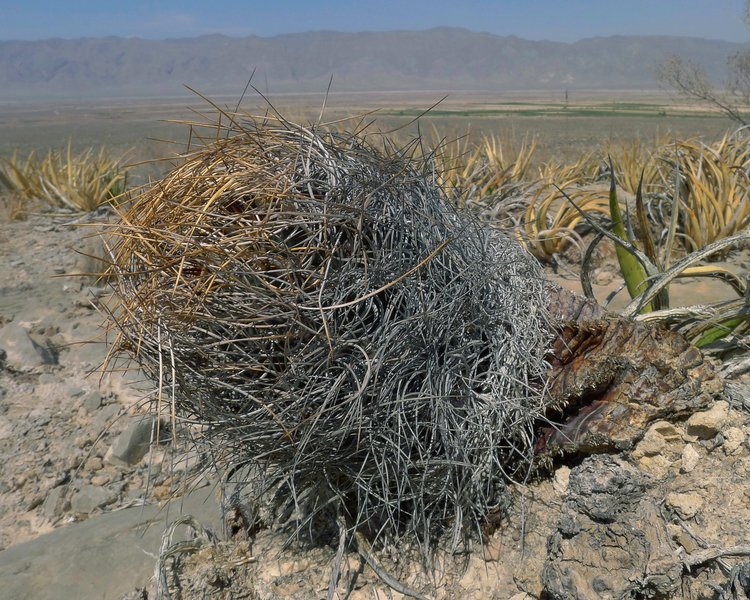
(665, 516)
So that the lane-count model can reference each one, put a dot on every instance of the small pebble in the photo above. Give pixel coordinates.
(95, 464)
(690, 458)
(685, 504)
(734, 437)
(100, 480)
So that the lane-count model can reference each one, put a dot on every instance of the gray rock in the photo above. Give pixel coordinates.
(90, 497)
(6, 428)
(56, 503)
(185, 463)
(106, 414)
(85, 300)
(610, 529)
(604, 488)
(22, 351)
(92, 401)
(103, 557)
(39, 417)
(48, 378)
(133, 443)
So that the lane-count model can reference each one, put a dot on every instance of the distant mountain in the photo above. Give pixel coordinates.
(437, 59)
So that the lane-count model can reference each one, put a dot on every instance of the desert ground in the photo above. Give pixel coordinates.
(84, 500)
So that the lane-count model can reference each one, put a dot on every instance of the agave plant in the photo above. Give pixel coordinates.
(77, 182)
(716, 202)
(634, 163)
(583, 171)
(490, 169)
(21, 177)
(549, 223)
(647, 273)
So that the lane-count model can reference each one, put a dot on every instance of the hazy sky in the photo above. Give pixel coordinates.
(561, 20)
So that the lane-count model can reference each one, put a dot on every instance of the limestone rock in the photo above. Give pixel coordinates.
(652, 444)
(705, 425)
(734, 437)
(690, 459)
(6, 428)
(187, 462)
(103, 557)
(106, 414)
(92, 401)
(660, 446)
(562, 479)
(22, 351)
(657, 466)
(685, 504)
(91, 497)
(56, 503)
(133, 443)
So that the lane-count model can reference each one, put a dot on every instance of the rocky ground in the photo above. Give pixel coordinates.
(667, 518)
(74, 441)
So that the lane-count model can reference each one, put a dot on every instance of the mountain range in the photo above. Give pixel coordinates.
(444, 58)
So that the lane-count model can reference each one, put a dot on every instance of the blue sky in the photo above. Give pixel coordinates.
(560, 20)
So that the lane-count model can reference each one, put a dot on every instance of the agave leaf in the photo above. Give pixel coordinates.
(647, 264)
(718, 273)
(720, 330)
(661, 301)
(632, 270)
(647, 239)
(657, 283)
(586, 267)
(669, 245)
